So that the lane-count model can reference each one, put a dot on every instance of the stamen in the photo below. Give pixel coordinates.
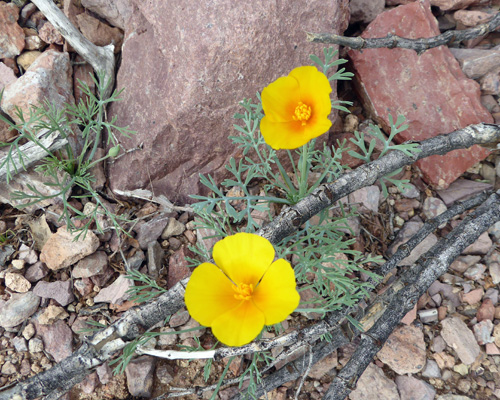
(243, 291)
(302, 113)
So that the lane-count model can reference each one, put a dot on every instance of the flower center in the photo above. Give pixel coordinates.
(302, 113)
(243, 291)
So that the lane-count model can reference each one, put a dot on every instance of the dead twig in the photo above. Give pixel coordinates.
(419, 45)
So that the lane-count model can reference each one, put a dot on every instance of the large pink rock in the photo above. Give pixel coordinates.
(185, 67)
(430, 90)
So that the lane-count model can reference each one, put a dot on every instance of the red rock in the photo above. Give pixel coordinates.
(410, 316)
(365, 10)
(99, 33)
(82, 73)
(47, 79)
(57, 339)
(430, 89)
(472, 18)
(446, 5)
(197, 60)
(473, 297)
(11, 34)
(177, 267)
(49, 34)
(117, 12)
(486, 311)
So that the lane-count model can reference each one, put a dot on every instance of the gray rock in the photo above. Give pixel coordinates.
(150, 231)
(173, 228)
(412, 388)
(438, 344)
(191, 334)
(155, 258)
(169, 337)
(367, 198)
(462, 189)
(8, 369)
(221, 64)
(494, 231)
(410, 191)
(135, 262)
(482, 331)
(405, 234)
(431, 370)
(60, 291)
(91, 265)
(36, 272)
(18, 309)
(27, 254)
(476, 62)
(139, 374)
(5, 253)
(104, 373)
(179, 318)
(475, 272)
(459, 337)
(19, 344)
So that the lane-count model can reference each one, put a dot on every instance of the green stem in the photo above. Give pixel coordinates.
(303, 169)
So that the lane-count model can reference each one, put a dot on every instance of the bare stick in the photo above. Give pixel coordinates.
(102, 59)
(135, 321)
(419, 45)
(326, 195)
(32, 153)
(412, 285)
(415, 279)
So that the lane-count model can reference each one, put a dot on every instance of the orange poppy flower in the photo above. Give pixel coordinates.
(296, 108)
(244, 291)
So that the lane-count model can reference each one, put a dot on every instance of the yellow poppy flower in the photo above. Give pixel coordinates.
(296, 108)
(244, 291)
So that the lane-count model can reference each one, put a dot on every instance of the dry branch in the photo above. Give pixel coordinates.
(419, 45)
(102, 59)
(134, 322)
(32, 153)
(376, 308)
(409, 288)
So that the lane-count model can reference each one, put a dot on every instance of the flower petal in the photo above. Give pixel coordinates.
(209, 293)
(240, 325)
(276, 295)
(244, 257)
(290, 135)
(280, 98)
(314, 89)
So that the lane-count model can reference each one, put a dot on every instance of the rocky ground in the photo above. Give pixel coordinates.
(448, 347)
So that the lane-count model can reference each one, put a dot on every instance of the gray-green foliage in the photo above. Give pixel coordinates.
(410, 149)
(65, 171)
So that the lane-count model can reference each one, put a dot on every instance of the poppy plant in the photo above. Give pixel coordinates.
(296, 108)
(244, 291)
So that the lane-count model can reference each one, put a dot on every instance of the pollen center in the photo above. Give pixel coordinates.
(302, 113)
(243, 291)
